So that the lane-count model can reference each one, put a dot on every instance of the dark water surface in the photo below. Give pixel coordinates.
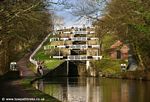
(78, 89)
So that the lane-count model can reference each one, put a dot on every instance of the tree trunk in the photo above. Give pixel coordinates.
(141, 62)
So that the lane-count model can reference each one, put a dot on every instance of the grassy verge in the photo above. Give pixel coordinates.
(40, 55)
(109, 66)
(51, 64)
(48, 63)
(25, 84)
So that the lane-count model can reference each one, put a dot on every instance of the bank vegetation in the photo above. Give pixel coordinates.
(23, 24)
(129, 21)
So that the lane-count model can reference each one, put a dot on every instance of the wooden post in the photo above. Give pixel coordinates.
(67, 67)
(87, 65)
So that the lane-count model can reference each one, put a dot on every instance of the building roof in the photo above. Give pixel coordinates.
(116, 44)
(124, 49)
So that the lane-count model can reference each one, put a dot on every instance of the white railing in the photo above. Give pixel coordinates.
(54, 39)
(73, 39)
(80, 32)
(78, 57)
(67, 32)
(83, 32)
(78, 47)
(83, 57)
(97, 57)
(37, 49)
(79, 39)
(95, 46)
(93, 38)
(47, 47)
(64, 39)
(57, 56)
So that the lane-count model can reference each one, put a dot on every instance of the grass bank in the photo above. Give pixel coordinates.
(108, 66)
(48, 62)
(51, 64)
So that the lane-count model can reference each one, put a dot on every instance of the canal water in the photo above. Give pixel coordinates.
(89, 89)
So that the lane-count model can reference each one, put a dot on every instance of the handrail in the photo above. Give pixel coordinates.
(71, 46)
(77, 57)
(73, 39)
(36, 50)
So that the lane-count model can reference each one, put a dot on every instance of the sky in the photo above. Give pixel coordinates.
(69, 19)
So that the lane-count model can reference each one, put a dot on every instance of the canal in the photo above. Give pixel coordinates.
(90, 89)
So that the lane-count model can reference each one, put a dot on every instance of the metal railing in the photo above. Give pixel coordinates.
(73, 39)
(47, 47)
(80, 32)
(77, 57)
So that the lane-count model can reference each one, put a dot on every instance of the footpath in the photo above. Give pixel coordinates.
(15, 89)
(12, 88)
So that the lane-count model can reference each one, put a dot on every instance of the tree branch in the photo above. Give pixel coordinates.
(19, 12)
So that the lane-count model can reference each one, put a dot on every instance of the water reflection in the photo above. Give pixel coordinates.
(95, 89)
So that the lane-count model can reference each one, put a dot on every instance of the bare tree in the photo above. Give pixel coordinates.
(58, 21)
(88, 9)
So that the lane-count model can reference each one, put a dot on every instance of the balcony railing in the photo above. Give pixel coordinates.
(78, 47)
(67, 32)
(77, 57)
(54, 39)
(73, 39)
(80, 32)
(71, 46)
(79, 39)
